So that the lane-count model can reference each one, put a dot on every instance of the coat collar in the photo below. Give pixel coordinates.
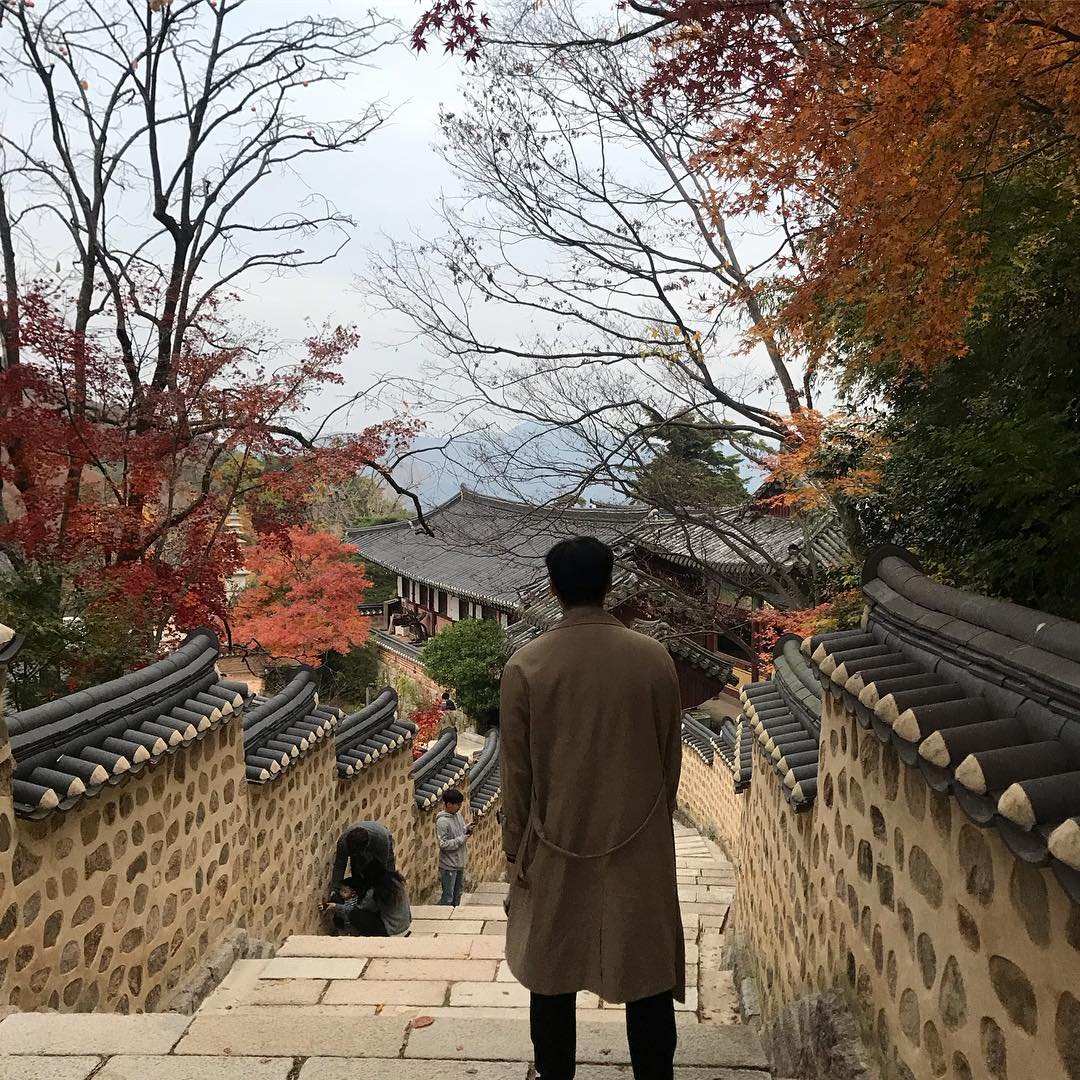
(586, 616)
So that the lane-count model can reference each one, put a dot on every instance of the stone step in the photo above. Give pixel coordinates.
(188, 1067)
(447, 1039)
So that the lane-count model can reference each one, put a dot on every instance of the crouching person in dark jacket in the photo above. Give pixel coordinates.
(373, 900)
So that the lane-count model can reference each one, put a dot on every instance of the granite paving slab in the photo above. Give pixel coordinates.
(48, 1068)
(488, 947)
(195, 1068)
(433, 970)
(374, 948)
(315, 967)
(337, 1069)
(90, 1033)
(488, 994)
(251, 1034)
(471, 1040)
(374, 992)
(479, 911)
(448, 926)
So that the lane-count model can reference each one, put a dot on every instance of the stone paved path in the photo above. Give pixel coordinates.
(342, 1008)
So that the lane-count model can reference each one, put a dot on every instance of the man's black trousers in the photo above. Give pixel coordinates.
(650, 1031)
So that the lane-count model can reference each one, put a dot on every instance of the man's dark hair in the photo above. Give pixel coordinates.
(580, 570)
(453, 797)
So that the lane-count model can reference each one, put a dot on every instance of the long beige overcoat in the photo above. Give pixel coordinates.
(591, 754)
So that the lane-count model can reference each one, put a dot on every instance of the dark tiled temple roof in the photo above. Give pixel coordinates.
(784, 713)
(981, 695)
(68, 749)
(542, 611)
(372, 733)
(438, 768)
(484, 778)
(746, 537)
(397, 645)
(280, 729)
(487, 549)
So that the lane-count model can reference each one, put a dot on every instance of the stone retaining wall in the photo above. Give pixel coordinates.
(955, 958)
(113, 904)
(707, 796)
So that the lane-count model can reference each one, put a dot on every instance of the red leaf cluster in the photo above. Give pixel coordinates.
(122, 484)
(456, 23)
(427, 719)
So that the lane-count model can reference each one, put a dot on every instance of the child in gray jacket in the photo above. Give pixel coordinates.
(452, 833)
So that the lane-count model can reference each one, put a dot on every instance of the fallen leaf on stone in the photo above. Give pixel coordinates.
(423, 1021)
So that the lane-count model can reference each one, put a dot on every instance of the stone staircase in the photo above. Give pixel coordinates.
(436, 1005)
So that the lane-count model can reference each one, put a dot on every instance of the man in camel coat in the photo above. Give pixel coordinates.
(591, 754)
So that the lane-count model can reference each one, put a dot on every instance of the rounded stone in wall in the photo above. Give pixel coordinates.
(910, 1017)
(898, 848)
(884, 1036)
(952, 997)
(890, 771)
(1015, 992)
(70, 957)
(933, 1049)
(915, 793)
(878, 948)
(992, 1045)
(1027, 893)
(941, 812)
(961, 1070)
(927, 957)
(1067, 1034)
(52, 928)
(968, 927)
(891, 973)
(977, 864)
(907, 924)
(925, 876)
(1072, 927)
(877, 823)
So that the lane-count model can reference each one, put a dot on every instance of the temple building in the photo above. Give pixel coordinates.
(483, 559)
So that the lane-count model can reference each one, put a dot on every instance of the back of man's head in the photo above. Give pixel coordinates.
(580, 571)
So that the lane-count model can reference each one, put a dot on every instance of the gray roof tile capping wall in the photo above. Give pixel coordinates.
(69, 749)
(487, 549)
(484, 777)
(784, 713)
(279, 729)
(727, 744)
(981, 695)
(372, 733)
(438, 768)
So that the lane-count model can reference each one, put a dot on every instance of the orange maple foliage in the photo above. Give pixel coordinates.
(828, 458)
(877, 133)
(305, 597)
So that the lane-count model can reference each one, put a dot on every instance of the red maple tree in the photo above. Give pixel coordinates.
(138, 409)
(305, 596)
(427, 719)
